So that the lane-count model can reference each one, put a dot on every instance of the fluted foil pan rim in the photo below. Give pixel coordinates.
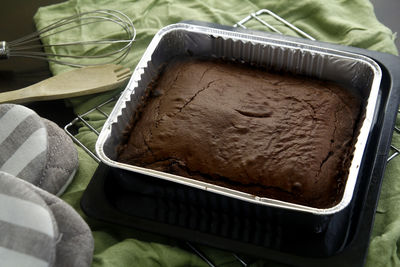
(147, 68)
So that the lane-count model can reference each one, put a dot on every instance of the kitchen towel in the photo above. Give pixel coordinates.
(350, 23)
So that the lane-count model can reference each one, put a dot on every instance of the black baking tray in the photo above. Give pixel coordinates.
(199, 216)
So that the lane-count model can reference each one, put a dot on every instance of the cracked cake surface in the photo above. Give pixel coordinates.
(268, 134)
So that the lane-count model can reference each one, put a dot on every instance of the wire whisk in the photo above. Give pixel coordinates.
(88, 38)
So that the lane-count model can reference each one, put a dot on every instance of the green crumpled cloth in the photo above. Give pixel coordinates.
(344, 22)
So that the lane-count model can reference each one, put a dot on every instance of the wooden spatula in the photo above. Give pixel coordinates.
(82, 81)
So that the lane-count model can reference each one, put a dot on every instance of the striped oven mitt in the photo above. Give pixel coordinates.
(38, 161)
(35, 149)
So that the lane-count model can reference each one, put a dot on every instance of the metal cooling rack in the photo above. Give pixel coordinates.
(257, 16)
(395, 150)
(72, 127)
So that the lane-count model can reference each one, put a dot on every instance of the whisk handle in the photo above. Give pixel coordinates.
(4, 50)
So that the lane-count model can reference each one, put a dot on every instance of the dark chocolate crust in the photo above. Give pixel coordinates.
(268, 134)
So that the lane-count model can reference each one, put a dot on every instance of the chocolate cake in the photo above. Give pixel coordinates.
(269, 134)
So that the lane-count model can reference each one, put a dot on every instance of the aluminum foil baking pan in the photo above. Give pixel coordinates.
(353, 71)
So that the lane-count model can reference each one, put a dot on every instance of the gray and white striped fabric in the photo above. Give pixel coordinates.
(37, 229)
(35, 149)
(23, 143)
(28, 232)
